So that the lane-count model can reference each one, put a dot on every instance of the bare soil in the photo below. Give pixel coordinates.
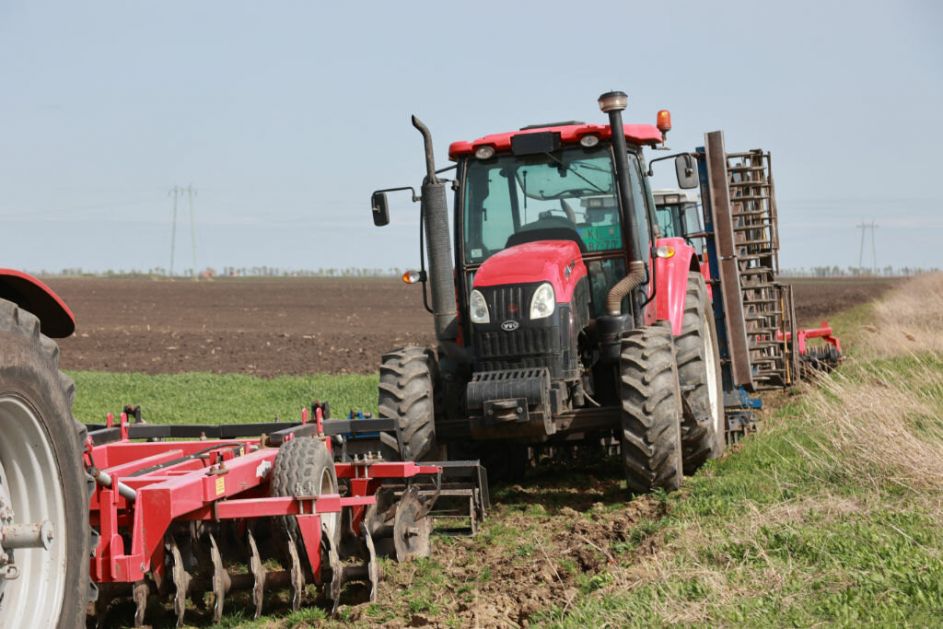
(263, 327)
(278, 326)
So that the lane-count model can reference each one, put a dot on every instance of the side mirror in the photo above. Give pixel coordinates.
(381, 212)
(686, 168)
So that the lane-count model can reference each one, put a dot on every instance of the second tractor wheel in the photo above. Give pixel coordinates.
(651, 411)
(702, 432)
(406, 395)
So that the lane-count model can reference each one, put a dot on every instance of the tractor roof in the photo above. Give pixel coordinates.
(569, 134)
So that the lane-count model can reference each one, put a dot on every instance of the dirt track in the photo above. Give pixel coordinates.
(286, 326)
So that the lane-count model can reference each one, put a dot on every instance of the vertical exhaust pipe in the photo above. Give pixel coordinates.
(613, 103)
(435, 221)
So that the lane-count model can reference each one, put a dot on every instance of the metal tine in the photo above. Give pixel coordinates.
(297, 575)
(373, 568)
(221, 580)
(333, 590)
(181, 579)
(140, 592)
(257, 568)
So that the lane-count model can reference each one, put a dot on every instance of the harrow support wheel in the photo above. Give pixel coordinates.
(305, 468)
(703, 427)
(44, 580)
(651, 411)
(406, 394)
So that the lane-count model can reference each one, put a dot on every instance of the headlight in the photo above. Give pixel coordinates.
(478, 307)
(543, 302)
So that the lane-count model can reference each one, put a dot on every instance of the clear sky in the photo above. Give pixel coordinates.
(286, 115)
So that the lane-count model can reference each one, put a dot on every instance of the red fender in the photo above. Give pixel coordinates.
(671, 283)
(55, 319)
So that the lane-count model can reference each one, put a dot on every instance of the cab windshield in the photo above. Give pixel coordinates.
(565, 195)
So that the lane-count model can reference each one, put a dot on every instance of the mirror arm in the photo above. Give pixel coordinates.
(412, 190)
(651, 170)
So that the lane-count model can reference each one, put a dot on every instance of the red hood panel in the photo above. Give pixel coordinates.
(556, 261)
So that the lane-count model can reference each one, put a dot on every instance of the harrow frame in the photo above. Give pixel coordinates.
(144, 488)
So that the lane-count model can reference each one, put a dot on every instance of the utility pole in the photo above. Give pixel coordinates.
(864, 227)
(174, 192)
(191, 192)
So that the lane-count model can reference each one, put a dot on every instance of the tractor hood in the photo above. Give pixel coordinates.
(558, 262)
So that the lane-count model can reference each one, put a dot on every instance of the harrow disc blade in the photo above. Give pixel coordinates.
(257, 568)
(139, 593)
(373, 569)
(297, 575)
(411, 528)
(332, 590)
(221, 581)
(181, 579)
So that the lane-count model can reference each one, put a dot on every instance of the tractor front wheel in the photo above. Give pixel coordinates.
(44, 494)
(406, 396)
(651, 411)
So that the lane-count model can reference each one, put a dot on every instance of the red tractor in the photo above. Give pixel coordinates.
(564, 318)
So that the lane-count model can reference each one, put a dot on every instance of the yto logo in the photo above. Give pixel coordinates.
(510, 325)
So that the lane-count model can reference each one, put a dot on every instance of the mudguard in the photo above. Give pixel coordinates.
(55, 319)
(671, 283)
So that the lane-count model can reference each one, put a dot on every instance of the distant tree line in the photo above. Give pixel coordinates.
(853, 271)
(228, 271)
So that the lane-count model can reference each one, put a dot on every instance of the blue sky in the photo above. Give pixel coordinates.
(286, 115)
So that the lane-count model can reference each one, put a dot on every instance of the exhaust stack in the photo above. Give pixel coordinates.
(613, 103)
(435, 219)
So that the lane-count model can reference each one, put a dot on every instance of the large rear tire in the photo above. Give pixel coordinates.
(42, 478)
(702, 432)
(406, 395)
(651, 411)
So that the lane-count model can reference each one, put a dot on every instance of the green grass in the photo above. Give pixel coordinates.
(218, 398)
(790, 532)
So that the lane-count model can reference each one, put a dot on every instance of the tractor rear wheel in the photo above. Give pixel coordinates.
(406, 395)
(42, 480)
(651, 411)
(703, 429)
(305, 468)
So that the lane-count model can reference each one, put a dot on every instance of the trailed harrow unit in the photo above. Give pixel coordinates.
(192, 512)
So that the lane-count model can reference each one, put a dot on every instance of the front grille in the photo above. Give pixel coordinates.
(522, 342)
(507, 302)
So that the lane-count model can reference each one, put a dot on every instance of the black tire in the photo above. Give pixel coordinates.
(304, 468)
(406, 395)
(29, 374)
(651, 411)
(704, 426)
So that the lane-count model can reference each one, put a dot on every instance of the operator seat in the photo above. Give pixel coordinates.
(547, 228)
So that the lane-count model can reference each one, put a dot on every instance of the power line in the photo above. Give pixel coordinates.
(174, 192)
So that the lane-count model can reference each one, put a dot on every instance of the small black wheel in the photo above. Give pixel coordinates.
(703, 428)
(651, 411)
(42, 479)
(406, 395)
(304, 468)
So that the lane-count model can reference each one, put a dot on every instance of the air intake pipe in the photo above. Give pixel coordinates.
(613, 103)
(435, 221)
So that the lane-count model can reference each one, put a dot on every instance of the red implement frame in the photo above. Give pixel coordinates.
(824, 332)
(143, 487)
